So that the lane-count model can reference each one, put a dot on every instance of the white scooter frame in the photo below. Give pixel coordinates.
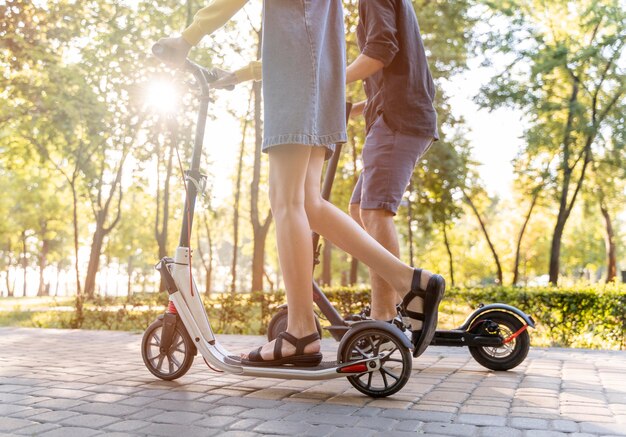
(360, 354)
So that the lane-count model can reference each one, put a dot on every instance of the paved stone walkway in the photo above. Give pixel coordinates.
(84, 383)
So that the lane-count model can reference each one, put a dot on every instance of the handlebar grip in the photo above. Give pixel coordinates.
(163, 52)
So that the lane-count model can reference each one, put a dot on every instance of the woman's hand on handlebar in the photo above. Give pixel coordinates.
(176, 50)
(225, 79)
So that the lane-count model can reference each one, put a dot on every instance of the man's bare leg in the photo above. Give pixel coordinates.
(379, 224)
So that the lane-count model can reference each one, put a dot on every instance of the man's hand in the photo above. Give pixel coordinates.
(357, 109)
(176, 49)
(226, 79)
(362, 68)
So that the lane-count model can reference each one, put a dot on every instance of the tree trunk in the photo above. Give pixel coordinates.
(161, 225)
(482, 226)
(242, 149)
(207, 264)
(611, 252)
(94, 260)
(557, 235)
(450, 263)
(24, 260)
(75, 225)
(129, 271)
(43, 255)
(326, 278)
(259, 228)
(10, 288)
(521, 236)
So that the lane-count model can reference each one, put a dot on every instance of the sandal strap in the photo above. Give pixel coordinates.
(278, 347)
(417, 280)
(299, 343)
(304, 341)
(415, 291)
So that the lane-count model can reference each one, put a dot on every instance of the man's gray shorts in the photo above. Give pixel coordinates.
(389, 159)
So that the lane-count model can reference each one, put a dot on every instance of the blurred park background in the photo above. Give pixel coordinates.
(521, 201)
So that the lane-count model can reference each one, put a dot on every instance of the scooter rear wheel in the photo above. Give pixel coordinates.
(178, 359)
(508, 355)
(396, 361)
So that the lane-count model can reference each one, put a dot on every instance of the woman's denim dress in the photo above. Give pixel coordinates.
(304, 66)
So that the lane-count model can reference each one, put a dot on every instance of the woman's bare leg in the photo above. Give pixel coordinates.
(335, 225)
(288, 169)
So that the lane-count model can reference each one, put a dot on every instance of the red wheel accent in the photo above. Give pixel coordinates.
(515, 334)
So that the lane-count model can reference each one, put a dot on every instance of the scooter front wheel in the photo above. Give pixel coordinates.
(176, 361)
(509, 354)
(395, 361)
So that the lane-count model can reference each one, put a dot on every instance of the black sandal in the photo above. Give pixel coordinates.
(300, 359)
(432, 296)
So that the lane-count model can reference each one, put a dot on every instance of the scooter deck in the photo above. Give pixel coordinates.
(236, 361)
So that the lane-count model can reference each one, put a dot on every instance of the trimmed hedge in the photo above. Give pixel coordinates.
(590, 317)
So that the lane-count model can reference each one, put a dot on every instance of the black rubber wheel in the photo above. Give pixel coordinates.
(396, 362)
(278, 324)
(508, 355)
(177, 361)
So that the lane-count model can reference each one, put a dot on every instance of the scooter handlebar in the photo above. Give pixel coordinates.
(166, 54)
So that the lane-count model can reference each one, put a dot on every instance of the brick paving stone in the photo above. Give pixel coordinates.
(116, 410)
(168, 430)
(564, 425)
(603, 428)
(127, 426)
(481, 419)
(264, 413)
(455, 429)
(320, 430)
(491, 431)
(58, 404)
(322, 419)
(105, 397)
(296, 406)
(238, 434)
(424, 416)
(283, 428)
(37, 429)
(244, 424)
(172, 405)
(176, 417)
(53, 416)
(89, 421)
(543, 433)
(119, 434)
(11, 424)
(408, 425)
(581, 392)
(70, 431)
(216, 421)
(10, 409)
(377, 423)
(249, 402)
(146, 413)
(353, 432)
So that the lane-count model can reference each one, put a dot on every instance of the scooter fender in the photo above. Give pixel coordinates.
(181, 325)
(497, 307)
(357, 327)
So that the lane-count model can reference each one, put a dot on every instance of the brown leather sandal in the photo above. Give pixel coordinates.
(300, 359)
(432, 296)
